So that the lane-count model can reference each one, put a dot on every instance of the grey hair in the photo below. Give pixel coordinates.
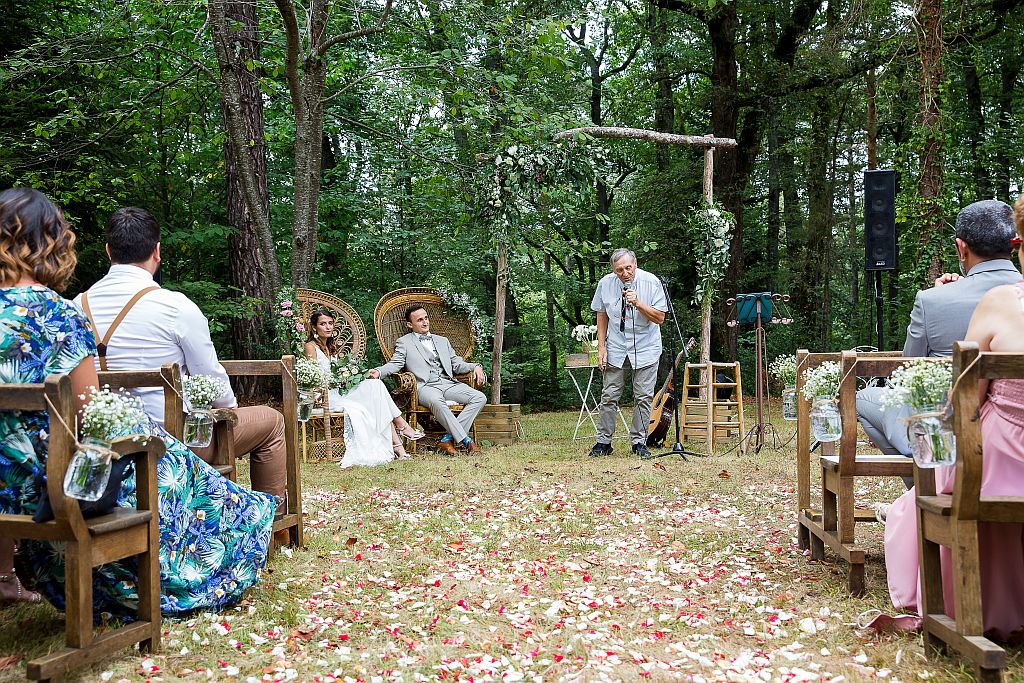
(987, 227)
(620, 254)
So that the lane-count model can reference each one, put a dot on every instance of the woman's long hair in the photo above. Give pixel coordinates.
(329, 348)
(35, 239)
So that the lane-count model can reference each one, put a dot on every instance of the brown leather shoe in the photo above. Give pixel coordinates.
(447, 448)
(472, 448)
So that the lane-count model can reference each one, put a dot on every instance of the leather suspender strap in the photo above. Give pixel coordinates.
(101, 346)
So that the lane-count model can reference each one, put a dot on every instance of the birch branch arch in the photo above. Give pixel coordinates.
(708, 142)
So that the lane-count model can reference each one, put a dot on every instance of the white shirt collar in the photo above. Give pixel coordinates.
(126, 271)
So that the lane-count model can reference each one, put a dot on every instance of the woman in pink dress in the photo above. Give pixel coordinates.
(997, 325)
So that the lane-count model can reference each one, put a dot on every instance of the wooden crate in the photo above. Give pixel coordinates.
(499, 424)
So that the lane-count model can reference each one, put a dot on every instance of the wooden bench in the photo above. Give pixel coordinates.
(89, 543)
(952, 520)
(224, 441)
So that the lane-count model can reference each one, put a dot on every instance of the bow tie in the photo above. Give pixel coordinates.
(424, 337)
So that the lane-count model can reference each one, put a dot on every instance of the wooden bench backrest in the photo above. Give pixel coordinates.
(55, 397)
(805, 360)
(970, 366)
(856, 365)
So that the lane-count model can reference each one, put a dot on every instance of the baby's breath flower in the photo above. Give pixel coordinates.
(202, 390)
(822, 381)
(309, 374)
(783, 368)
(109, 414)
(920, 383)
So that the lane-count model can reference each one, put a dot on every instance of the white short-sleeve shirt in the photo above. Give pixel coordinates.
(641, 336)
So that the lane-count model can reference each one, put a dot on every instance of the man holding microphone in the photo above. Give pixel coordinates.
(630, 305)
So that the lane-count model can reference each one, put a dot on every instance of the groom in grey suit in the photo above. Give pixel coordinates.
(941, 314)
(431, 358)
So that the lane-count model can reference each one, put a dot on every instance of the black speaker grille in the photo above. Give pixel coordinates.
(879, 220)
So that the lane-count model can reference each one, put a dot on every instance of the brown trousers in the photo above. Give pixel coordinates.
(260, 433)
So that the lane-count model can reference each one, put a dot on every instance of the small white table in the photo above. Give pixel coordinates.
(589, 403)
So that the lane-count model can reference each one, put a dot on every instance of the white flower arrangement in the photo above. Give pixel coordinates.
(920, 383)
(822, 381)
(482, 325)
(585, 334)
(783, 369)
(710, 228)
(202, 390)
(108, 414)
(309, 374)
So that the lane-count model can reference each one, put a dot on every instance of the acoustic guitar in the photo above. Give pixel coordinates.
(664, 403)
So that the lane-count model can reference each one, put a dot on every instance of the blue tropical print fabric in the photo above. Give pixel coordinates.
(214, 534)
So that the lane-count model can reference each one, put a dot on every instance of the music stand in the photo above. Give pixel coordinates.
(677, 447)
(755, 308)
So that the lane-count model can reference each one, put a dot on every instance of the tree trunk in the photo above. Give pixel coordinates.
(1008, 75)
(247, 274)
(549, 300)
(252, 181)
(309, 129)
(929, 186)
(501, 283)
(976, 130)
(773, 218)
(664, 107)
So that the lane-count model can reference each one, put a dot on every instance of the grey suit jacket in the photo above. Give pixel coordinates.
(941, 314)
(411, 356)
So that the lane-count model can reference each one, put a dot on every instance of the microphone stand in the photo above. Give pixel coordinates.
(677, 447)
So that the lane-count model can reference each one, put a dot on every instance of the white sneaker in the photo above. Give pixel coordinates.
(882, 511)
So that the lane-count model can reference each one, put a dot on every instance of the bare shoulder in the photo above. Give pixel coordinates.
(999, 297)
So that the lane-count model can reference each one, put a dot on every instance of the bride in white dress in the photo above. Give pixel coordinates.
(373, 423)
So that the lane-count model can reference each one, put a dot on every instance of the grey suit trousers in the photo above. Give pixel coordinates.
(885, 427)
(644, 381)
(435, 395)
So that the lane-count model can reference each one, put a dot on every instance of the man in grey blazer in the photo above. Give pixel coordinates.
(431, 358)
(941, 314)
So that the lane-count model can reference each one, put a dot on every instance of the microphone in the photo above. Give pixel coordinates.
(626, 286)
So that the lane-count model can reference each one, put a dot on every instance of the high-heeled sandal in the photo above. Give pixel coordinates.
(411, 434)
(404, 455)
(23, 595)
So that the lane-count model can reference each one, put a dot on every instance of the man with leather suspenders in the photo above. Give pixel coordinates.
(140, 326)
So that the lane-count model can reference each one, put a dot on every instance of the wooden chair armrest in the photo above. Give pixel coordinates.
(468, 378)
(225, 415)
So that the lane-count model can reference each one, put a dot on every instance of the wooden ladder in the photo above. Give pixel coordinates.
(704, 416)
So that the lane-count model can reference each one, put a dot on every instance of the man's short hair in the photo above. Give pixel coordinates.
(412, 309)
(620, 254)
(987, 227)
(132, 235)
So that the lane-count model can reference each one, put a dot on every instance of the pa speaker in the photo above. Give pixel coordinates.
(879, 220)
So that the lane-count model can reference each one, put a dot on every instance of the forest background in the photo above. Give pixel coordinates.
(358, 147)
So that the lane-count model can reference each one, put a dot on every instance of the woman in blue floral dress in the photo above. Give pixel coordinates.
(214, 534)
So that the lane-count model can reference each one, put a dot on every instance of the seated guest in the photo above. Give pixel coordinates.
(997, 325)
(143, 326)
(214, 534)
(373, 422)
(431, 358)
(941, 314)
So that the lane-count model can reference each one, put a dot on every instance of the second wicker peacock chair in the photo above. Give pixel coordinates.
(389, 324)
(326, 429)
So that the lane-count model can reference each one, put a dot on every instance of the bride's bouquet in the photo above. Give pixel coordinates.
(347, 372)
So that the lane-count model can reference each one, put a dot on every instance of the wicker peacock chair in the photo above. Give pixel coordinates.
(389, 324)
(325, 429)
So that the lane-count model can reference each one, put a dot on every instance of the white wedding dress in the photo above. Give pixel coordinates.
(369, 411)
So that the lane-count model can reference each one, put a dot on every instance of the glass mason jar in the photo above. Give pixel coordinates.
(592, 350)
(931, 437)
(307, 397)
(789, 403)
(89, 469)
(198, 428)
(826, 422)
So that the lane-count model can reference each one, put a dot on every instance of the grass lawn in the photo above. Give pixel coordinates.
(535, 562)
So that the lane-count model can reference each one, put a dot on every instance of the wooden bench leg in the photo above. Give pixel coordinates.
(989, 675)
(855, 579)
(803, 536)
(817, 548)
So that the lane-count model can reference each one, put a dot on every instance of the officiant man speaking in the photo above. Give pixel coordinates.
(630, 305)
